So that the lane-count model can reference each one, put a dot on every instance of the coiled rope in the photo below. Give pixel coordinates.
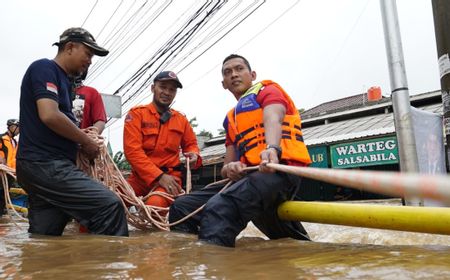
(139, 215)
(4, 172)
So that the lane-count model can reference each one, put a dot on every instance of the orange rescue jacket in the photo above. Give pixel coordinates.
(151, 147)
(245, 127)
(8, 150)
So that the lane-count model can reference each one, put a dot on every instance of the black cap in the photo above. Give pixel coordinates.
(168, 76)
(78, 34)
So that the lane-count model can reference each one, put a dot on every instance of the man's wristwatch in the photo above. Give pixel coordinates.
(276, 147)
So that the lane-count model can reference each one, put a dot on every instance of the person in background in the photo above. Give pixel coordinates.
(8, 150)
(88, 108)
(264, 127)
(153, 136)
(50, 139)
(88, 105)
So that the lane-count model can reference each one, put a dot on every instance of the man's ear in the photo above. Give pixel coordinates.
(224, 86)
(68, 47)
(152, 88)
(253, 75)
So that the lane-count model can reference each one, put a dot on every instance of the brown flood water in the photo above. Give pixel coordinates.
(338, 253)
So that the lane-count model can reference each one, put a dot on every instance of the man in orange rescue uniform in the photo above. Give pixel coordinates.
(8, 150)
(153, 136)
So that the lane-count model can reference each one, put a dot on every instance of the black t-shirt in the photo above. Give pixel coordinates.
(44, 79)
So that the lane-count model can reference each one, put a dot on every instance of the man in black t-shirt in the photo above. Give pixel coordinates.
(57, 189)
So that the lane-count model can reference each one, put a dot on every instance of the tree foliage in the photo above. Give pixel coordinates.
(221, 131)
(121, 162)
(206, 133)
(193, 122)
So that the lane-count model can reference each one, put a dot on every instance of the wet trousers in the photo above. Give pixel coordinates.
(58, 191)
(255, 198)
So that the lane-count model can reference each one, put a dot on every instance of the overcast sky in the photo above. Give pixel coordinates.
(318, 51)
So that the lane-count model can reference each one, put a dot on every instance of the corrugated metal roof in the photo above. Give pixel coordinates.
(213, 154)
(353, 104)
(346, 103)
(356, 128)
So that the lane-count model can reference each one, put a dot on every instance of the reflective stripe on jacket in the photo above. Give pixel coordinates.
(245, 127)
(8, 150)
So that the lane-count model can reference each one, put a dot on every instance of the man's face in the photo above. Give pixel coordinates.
(163, 93)
(237, 77)
(14, 129)
(80, 57)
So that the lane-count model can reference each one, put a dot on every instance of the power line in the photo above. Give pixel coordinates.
(325, 75)
(248, 41)
(95, 4)
(199, 32)
(110, 18)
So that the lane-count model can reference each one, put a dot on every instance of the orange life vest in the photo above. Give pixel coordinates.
(8, 150)
(244, 126)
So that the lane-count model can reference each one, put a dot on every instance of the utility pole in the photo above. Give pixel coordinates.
(399, 92)
(441, 15)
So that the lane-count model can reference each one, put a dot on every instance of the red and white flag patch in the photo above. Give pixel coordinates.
(52, 87)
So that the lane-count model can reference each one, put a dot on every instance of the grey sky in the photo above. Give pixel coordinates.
(320, 50)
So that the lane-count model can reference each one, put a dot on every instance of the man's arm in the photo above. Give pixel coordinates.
(2, 154)
(273, 119)
(100, 125)
(97, 108)
(54, 119)
(232, 168)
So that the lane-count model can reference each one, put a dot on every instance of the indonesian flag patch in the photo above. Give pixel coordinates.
(52, 87)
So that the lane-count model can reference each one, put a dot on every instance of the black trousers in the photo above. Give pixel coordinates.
(58, 191)
(254, 198)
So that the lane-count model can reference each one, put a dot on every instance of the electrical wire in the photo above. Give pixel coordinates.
(92, 9)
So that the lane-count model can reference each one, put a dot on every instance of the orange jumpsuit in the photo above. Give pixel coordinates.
(151, 147)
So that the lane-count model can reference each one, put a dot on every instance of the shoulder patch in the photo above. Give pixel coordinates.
(128, 118)
(52, 87)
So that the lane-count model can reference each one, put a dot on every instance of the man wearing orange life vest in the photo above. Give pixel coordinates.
(8, 144)
(153, 136)
(264, 127)
(8, 150)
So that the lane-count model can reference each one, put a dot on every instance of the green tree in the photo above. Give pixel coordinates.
(221, 131)
(203, 132)
(121, 162)
(193, 122)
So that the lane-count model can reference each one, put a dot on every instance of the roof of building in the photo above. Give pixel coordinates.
(346, 103)
(374, 125)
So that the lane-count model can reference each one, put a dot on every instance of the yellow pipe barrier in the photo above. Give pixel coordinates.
(405, 218)
(18, 208)
(17, 191)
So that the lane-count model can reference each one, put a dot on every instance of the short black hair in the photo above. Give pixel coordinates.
(231, 56)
